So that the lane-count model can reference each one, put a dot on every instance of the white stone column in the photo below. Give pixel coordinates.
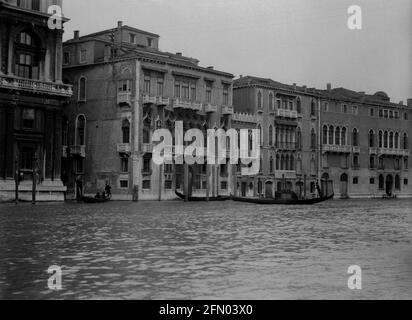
(136, 155)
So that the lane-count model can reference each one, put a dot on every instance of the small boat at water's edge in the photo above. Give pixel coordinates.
(95, 200)
(284, 201)
(199, 199)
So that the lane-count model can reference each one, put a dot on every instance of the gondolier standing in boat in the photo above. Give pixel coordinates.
(79, 187)
(108, 191)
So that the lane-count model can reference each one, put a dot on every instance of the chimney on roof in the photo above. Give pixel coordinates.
(409, 102)
(119, 24)
(179, 54)
(305, 88)
(294, 87)
(211, 67)
(76, 34)
(401, 103)
(329, 87)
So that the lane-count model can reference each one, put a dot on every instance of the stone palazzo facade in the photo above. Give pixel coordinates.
(32, 97)
(358, 141)
(124, 89)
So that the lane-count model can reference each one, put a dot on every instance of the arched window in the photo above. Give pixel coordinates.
(380, 139)
(381, 182)
(371, 139)
(271, 102)
(80, 130)
(260, 100)
(277, 162)
(325, 135)
(405, 141)
(385, 139)
(313, 139)
(391, 136)
(287, 162)
(27, 53)
(270, 135)
(126, 131)
(271, 164)
(343, 140)
(337, 136)
(355, 139)
(299, 138)
(277, 138)
(397, 140)
(82, 89)
(292, 163)
(282, 163)
(331, 131)
(313, 108)
(299, 106)
(261, 135)
(146, 131)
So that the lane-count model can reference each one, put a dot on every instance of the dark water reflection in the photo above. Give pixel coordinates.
(206, 251)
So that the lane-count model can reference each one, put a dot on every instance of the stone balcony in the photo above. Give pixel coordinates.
(283, 113)
(148, 99)
(124, 98)
(78, 151)
(35, 86)
(197, 106)
(393, 152)
(124, 148)
(356, 149)
(287, 174)
(147, 148)
(337, 149)
(210, 108)
(160, 101)
(228, 110)
(373, 151)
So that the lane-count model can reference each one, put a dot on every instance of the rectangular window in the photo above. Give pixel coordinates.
(405, 182)
(124, 86)
(149, 42)
(278, 104)
(79, 166)
(193, 92)
(147, 164)
(132, 38)
(177, 89)
(223, 185)
(208, 92)
(355, 110)
(66, 58)
(124, 184)
(29, 117)
(185, 91)
(27, 157)
(405, 116)
(391, 114)
(146, 184)
(83, 56)
(225, 95)
(160, 87)
(386, 114)
(124, 165)
(355, 180)
(372, 181)
(380, 113)
(326, 107)
(168, 185)
(147, 81)
(372, 112)
(345, 108)
(396, 114)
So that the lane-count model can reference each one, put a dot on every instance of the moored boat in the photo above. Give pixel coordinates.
(284, 201)
(200, 199)
(95, 200)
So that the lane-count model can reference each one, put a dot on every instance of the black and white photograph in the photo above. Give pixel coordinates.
(225, 150)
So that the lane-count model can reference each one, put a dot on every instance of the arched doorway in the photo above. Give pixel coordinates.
(244, 189)
(288, 186)
(389, 185)
(269, 189)
(324, 184)
(344, 185)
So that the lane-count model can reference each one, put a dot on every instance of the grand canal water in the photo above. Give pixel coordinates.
(229, 250)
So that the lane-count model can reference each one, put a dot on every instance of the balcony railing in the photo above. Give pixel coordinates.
(337, 148)
(148, 99)
(393, 152)
(160, 101)
(373, 150)
(227, 110)
(124, 98)
(286, 145)
(178, 104)
(36, 86)
(287, 174)
(283, 113)
(197, 106)
(124, 148)
(78, 151)
(147, 148)
(356, 149)
(210, 108)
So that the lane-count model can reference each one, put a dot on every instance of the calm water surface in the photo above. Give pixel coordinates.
(153, 250)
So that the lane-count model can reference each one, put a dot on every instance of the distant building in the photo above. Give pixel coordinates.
(125, 88)
(32, 96)
(360, 142)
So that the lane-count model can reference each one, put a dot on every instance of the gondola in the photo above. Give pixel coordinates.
(95, 200)
(200, 199)
(284, 201)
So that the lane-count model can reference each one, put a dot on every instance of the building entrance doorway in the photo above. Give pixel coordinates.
(269, 189)
(344, 186)
(389, 185)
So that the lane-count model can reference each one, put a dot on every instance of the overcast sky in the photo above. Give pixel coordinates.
(293, 41)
